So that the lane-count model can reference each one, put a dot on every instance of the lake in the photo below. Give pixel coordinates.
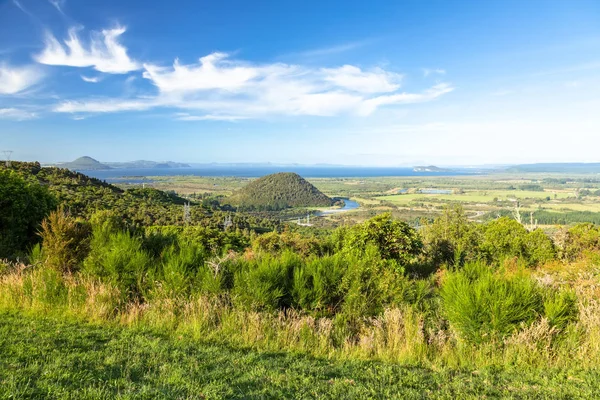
(136, 175)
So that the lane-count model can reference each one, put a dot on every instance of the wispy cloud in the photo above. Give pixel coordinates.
(58, 4)
(90, 79)
(17, 79)
(104, 52)
(208, 117)
(324, 51)
(16, 114)
(430, 71)
(227, 89)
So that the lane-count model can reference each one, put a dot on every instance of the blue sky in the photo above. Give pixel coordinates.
(344, 82)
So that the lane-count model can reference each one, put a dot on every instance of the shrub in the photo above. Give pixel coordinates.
(118, 258)
(452, 238)
(503, 238)
(482, 305)
(23, 206)
(265, 283)
(393, 239)
(316, 284)
(560, 308)
(177, 271)
(540, 248)
(65, 241)
(579, 239)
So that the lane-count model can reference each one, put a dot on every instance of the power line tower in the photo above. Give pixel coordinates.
(227, 223)
(187, 215)
(7, 155)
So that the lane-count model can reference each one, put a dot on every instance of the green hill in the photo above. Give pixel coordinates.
(84, 164)
(279, 191)
(83, 195)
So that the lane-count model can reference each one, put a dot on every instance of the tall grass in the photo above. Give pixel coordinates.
(403, 333)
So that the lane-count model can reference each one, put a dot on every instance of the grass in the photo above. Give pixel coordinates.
(42, 357)
(473, 196)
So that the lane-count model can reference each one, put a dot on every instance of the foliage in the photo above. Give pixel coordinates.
(452, 238)
(279, 191)
(119, 259)
(23, 206)
(395, 240)
(65, 241)
(485, 306)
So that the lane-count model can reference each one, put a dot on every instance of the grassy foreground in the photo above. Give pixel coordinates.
(44, 357)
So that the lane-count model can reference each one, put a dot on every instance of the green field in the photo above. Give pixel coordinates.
(58, 359)
(475, 196)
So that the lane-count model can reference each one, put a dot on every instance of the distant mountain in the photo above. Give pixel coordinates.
(148, 164)
(84, 164)
(580, 168)
(278, 191)
(429, 168)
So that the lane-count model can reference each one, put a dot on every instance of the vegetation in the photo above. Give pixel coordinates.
(501, 300)
(279, 191)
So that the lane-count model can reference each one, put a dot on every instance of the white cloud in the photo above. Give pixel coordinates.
(58, 4)
(208, 117)
(90, 79)
(219, 87)
(16, 114)
(212, 73)
(104, 52)
(353, 78)
(429, 71)
(16, 79)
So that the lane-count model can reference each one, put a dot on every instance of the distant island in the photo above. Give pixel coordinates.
(87, 163)
(429, 168)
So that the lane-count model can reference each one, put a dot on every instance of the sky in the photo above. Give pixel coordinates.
(378, 83)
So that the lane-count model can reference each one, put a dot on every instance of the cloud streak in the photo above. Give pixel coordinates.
(16, 114)
(14, 80)
(104, 53)
(226, 89)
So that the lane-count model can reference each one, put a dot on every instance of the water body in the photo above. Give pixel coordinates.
(349, 205)
(136, 175)
(435, 191)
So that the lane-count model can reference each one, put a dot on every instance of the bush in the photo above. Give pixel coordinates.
(580, 239)
(65, 241)
(23, 206)
(452, 238)
(504, 238)
(118, 258)
(265, 283)
(393, 239)
(482, 305)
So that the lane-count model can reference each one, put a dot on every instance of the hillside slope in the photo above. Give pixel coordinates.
(278, 191)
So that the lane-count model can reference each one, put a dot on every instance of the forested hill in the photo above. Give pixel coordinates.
(279, 191)
(83, 195)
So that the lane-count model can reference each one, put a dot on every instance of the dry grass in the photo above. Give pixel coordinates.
(401, 334)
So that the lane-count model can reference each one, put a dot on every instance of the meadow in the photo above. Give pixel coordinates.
(104, 302)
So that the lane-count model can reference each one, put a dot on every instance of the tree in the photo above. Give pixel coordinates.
(23, 206)
(452, 237)
(394, 239)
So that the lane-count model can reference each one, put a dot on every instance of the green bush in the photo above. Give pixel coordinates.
(393, 239)
(483, 305)
(504, 238)
(23, 206)
(118, 258)
(452, 238)
(265, 283)
(560, 307)
(317, 284)
(65, 241)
